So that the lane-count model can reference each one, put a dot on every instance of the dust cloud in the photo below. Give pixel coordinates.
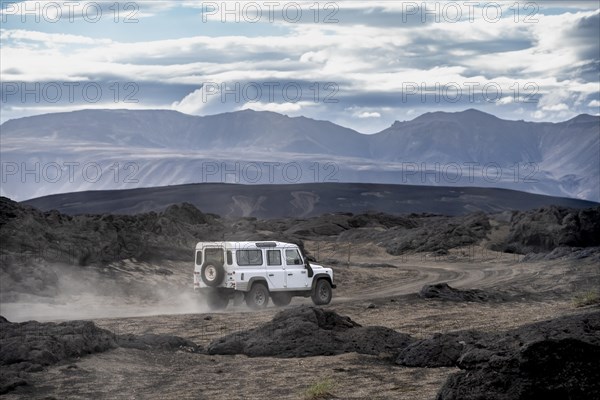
(123, 289)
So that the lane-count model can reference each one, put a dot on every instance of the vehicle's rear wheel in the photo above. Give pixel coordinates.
(216, 301)
(322, 293)
(281, 299)
(212, 273)
(258, 296)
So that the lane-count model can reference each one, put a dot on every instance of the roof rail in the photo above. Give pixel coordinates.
(266, 244)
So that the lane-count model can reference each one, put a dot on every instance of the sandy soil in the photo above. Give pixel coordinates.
(369, 294)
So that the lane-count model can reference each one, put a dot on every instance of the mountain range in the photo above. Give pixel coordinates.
(124, 149)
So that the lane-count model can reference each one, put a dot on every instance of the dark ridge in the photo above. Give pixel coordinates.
(302, 200)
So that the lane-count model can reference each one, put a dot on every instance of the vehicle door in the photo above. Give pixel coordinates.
(295, 272)
(275, 271)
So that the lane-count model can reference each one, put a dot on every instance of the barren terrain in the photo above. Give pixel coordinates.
(465, 307)
(375, 288)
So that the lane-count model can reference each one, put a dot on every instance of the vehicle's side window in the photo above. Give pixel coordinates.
(273, 257)
(214, 255)
(229, 257)
(292, 257)
(249, 257)
(199, 257)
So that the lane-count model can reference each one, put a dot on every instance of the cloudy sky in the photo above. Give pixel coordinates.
(360, 64)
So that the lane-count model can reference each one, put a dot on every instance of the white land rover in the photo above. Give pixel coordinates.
(255, 271)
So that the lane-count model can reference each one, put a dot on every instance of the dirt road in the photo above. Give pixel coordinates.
(375, 289)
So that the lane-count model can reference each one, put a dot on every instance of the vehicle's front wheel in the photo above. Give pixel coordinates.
(258, 296)
(281, 299)
(322, 293)
(216, 301)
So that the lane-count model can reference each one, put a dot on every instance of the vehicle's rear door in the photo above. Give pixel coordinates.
(275, 271)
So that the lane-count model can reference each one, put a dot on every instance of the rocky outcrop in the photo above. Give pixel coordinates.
(310, 331)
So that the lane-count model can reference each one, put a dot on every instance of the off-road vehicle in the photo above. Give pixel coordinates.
(256, 271)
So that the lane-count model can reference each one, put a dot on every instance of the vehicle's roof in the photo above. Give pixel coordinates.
(245, 244)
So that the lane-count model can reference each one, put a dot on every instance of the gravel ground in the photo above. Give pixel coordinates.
(376, 289)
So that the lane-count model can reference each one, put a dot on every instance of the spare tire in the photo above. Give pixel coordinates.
(212, 273)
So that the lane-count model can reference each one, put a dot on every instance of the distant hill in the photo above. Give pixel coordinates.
(301, 200)
(161, 147)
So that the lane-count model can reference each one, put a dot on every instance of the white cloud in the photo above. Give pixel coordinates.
(367, 61)
(314, 57)
(195, 102)
(539, 115)
(594, 103)
(50, 39)
(556, 107)
(282, 108)
(505, 100)
(91, 11)
(367, 114)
